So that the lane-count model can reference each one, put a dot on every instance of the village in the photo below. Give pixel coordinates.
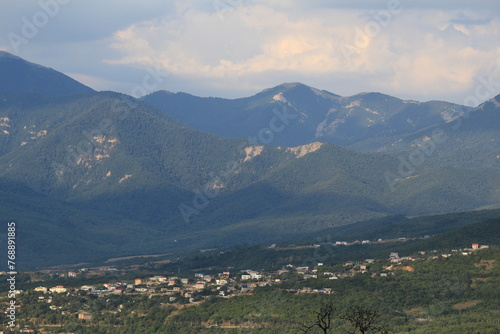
(184, 290)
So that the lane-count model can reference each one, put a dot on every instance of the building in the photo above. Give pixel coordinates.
(58, 289)
(394, 257)
(200, 285)
(85, 316)
(221, 282)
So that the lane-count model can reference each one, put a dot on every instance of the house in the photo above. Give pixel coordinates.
(476, 247)
(250, 274)
(138, 281)
(157, 279)
(394, 257)
(58, 289)
(72, 274)
(41, 289)
(245, 288)
(200, 285)
(307, 276)
(221, 282)
(85, 316)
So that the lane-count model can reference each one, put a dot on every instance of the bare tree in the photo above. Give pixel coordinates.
(364, 320)
(323, 319)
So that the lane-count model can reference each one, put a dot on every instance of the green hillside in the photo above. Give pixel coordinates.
(108, 153)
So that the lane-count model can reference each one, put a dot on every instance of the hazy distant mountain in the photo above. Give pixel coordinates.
(367, 122)
(315, 115)
(19, 75)
(469, 140)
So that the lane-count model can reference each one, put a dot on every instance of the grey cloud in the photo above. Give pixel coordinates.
(471, 21)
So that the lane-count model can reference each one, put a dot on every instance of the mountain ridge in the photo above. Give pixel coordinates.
(19, 75)
(321, 115)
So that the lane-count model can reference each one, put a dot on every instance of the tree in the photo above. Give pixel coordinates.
(323, 318)
(364, 320)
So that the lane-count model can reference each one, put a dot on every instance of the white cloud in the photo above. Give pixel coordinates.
(428, 52)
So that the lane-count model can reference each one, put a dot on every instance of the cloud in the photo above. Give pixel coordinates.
(415, 49)
(397, 51)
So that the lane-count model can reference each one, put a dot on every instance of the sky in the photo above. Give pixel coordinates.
(412, 49)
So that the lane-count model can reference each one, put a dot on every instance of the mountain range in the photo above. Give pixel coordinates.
(91, 175)
(365, 122)
(316, 115)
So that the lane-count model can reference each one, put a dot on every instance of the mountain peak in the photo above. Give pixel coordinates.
(292, 85)
(20, 75)
(298, 86)
(5, 54)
